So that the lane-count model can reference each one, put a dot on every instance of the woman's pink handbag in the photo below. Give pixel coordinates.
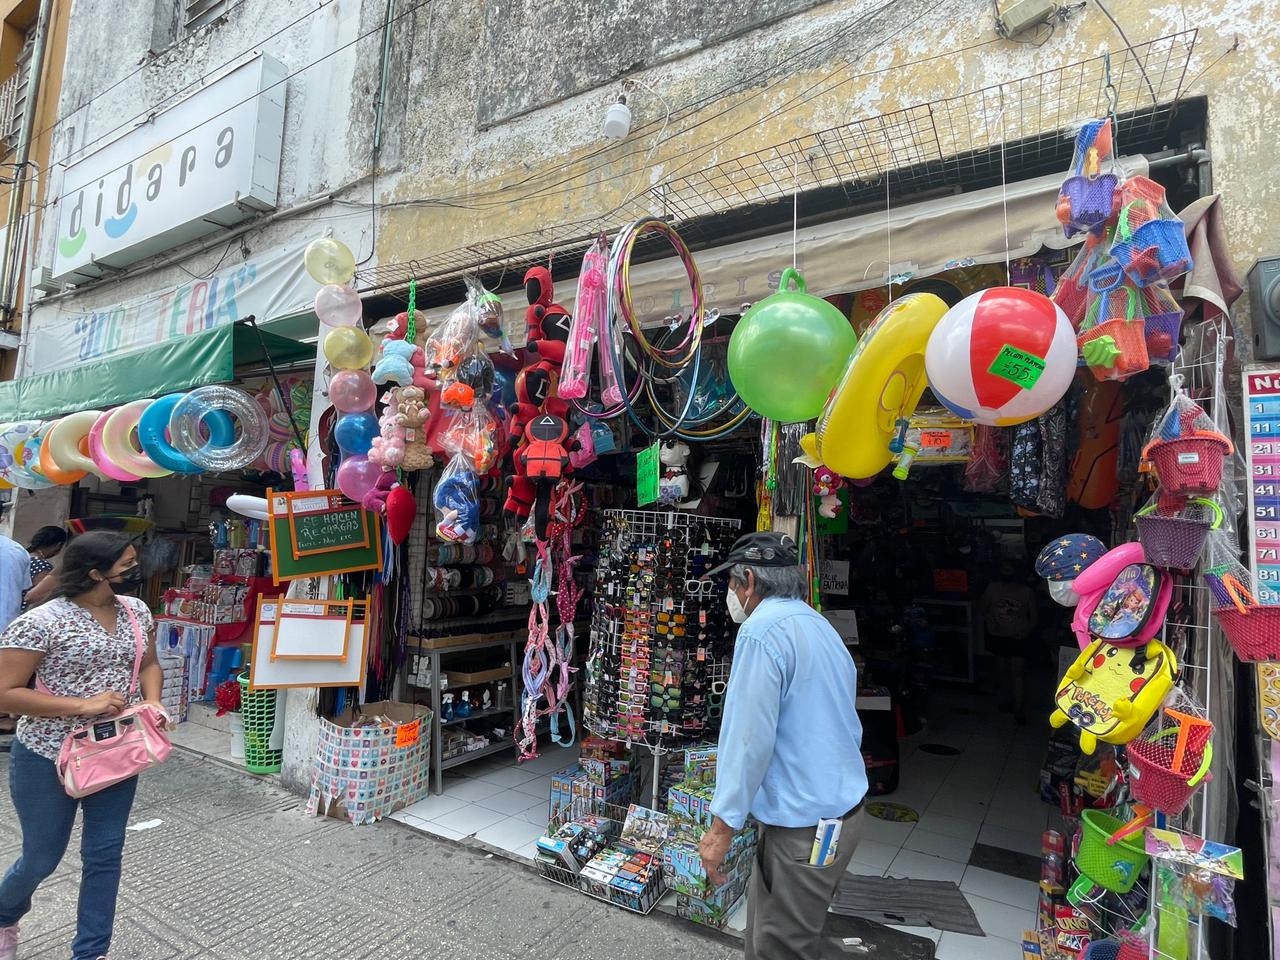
(110, 750)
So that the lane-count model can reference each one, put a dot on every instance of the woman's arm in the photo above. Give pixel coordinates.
(44, 590)
(18, 666)
(150, 674)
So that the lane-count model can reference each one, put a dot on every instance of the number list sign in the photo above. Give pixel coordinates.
(1262, 460)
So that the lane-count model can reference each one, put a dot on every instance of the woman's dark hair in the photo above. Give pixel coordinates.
(47, 537)
(97, 550)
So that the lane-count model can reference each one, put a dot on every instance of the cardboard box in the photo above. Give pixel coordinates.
(371, 762)
(562, 790)
(689, 809)
(700, 764)
(713, 911)
(682, 863)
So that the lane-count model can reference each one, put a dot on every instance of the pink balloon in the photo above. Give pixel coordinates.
(357, 476)
(338, 306)
(352, 391)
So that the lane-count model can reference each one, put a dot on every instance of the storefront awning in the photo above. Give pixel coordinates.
(178, 364)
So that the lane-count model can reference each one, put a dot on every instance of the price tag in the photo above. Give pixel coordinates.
(1017, 366)
(407, 734)
(647, 475)
(934, 439)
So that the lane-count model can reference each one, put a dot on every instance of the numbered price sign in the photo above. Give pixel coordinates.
(319, 532)
(1262, 461)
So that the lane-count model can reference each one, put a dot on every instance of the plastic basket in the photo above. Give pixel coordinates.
(1153, 782)
(1163, 333)
(1189, 466)
(258, 711)
(1150, 249)
(1116, 866)
(1252, 630)
(1175, 542)
(1127, 338)
(1085, 202)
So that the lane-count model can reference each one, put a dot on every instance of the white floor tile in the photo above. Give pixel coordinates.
(863, 869)
(510, 834)
(920, 866)
(1029, 816)
(426, 826)
(873, 853)
(1001, 920)
(509, 802)
(969, 810)
(536, 814)
(539, 788)
(469, 819)
(966, 830)
(967, 789)
(926, 932)
(957, 946)
(886, 831)
(435, 806)
(997, 886)
(939, 845)
(510, 776)
(472, 790)
(1023, 841)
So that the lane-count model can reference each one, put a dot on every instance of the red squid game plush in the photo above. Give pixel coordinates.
(547, 322)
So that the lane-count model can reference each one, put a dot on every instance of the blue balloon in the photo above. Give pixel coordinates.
(355, 432)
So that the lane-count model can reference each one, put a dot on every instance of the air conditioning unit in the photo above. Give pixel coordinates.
(44, 282)
(1264, 300)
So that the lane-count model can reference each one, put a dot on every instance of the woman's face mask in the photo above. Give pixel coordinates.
(1061, 591)
(129, 580)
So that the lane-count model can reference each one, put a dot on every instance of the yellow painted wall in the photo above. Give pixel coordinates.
(503, 178)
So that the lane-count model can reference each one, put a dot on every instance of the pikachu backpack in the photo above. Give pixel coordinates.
(1119, 681)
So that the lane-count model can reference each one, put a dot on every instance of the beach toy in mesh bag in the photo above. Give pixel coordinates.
(1113, 343)
(1186, 450)
(1169, 762)
(1087, 196)
(1174, 539)
(1150, 243)
(1163, 316)
(1072, 290)
(1107, 856)
(1252, 628)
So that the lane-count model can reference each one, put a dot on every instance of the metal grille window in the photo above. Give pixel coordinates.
(197, 13)
(13, 95)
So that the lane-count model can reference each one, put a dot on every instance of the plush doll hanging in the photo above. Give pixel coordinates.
(826, 487)
(545, 461)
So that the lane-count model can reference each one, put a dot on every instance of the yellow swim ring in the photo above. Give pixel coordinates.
(882, 384)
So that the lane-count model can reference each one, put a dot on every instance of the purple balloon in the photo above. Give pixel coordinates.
(357, 476)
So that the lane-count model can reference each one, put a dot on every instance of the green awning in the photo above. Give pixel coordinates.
(179, 364)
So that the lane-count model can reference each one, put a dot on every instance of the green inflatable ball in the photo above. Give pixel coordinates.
(789, 351)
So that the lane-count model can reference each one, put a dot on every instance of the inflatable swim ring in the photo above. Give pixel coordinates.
(880, 388)
(68, 443)
(47, 465)
(119, 444)
(153, 434)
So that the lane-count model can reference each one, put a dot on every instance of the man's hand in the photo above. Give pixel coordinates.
(713, 849)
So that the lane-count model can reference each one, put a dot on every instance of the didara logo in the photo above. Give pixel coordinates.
(153, 170)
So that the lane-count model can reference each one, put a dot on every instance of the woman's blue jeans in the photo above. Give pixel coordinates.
(47, 815)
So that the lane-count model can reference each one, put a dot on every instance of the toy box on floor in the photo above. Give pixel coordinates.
(593, 781)
(713, 911)
(618, 863)
(682, 863)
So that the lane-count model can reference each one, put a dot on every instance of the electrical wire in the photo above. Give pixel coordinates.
(1132, 52)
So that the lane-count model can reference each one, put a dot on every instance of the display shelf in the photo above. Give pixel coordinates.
(476, 715)
(953, 658)
(458, 760)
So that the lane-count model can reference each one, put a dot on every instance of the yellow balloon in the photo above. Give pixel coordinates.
(348, 348)
(329, 261)
(882, 384)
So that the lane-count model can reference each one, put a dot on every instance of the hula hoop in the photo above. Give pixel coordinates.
(120, 446)
(619, 285)
(153, 434)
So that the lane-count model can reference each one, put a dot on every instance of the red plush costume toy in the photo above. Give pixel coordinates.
(548, 323)
(544, 461)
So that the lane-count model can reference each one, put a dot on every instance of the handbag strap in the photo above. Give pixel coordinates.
(139, 650)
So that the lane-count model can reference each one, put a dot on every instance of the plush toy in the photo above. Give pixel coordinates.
(473, 378)
(521, 494)
(544, 461)
(673, 484)
(412, 416)
(396, 363)
(401, 508)
(548, 323)
(376, 499)
(826, 486)
(388, 447)
(458, 504)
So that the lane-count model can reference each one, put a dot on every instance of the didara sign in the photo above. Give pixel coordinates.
(209, 162)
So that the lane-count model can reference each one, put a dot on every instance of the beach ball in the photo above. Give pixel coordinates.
(1001, 356)
(788, 351)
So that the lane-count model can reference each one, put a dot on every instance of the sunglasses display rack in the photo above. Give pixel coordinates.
(661, 638)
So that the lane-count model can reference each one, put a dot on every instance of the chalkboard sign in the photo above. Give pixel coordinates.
(325, 522)
(320, 532)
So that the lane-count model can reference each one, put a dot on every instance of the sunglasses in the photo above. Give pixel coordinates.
(699, 588)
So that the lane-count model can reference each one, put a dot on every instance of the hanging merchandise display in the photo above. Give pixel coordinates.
(789, 331)
(1186, 450)
(1171, 759)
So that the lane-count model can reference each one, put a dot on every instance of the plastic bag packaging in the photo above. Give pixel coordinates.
(452, 341)
(1088, 195)
(1149, 244)
(457, 503)
(487, 309)
(590, 314)
(472, 381)
(472, 435)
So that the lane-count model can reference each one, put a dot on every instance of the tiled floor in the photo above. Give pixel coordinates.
(984, 794)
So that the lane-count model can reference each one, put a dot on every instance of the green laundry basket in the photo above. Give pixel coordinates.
(258, 710)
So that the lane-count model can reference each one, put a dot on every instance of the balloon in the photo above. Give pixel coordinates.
(1002, 356)
(881, 386)
(338, 306)
(352, 390)
(255, 508)
(782, 334)
(276, 457)
(329, 261)
(357, 476)
(348, 348)
(355, 432)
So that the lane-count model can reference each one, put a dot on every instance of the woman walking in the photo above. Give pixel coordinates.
(46, 544)
(82, 646)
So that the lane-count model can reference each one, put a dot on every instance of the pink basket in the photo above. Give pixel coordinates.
(1189, 466)
(1155, 784)
(1254, 634)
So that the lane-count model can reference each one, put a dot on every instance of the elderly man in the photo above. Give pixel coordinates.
(790, 749)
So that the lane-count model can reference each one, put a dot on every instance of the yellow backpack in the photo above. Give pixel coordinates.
(1111, 692)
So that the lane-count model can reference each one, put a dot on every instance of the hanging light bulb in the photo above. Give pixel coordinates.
(617, 119)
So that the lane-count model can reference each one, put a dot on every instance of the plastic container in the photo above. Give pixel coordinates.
(1176, 542)
(1189, 466)
(1152, 779)
(1116, 866)
(258, 713)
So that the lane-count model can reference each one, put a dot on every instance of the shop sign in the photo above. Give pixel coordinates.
(211, 161)
(270, 286)
(835, 577)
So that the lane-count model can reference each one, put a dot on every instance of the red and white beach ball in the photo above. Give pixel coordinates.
(1001, 357)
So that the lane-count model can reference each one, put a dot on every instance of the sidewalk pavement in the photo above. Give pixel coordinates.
(235, 870)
